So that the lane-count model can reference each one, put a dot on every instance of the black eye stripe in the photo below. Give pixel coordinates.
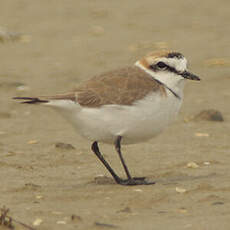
(166, 67)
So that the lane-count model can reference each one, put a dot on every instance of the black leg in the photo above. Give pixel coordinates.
(96, 150)
(130, 180)
(118, 149)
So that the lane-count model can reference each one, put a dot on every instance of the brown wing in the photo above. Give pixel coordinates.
(122, 87)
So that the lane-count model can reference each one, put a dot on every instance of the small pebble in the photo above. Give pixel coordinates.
(64, 146)
(39, 197)
(61, 222)
(209, 115)
(37, 222)
(193, 165)
(138, 190)
(23, 88)
(202, 134)
(180, 190)
(218, 203)
(7, 36)
(105, 225)
(32, 187)
(182, 210)
(76, 218)
(31, 142)
(10, 154)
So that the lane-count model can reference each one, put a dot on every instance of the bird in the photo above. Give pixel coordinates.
(127, 105)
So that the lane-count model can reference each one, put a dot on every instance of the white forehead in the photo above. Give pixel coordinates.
(179, 64)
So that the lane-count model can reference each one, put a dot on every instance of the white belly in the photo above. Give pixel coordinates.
(135, 123)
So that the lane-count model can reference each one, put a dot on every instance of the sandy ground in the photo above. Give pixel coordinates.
(65, 42)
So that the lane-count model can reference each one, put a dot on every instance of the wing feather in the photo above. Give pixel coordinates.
(122, 87)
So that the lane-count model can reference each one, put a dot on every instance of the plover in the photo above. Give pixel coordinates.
(126, 105)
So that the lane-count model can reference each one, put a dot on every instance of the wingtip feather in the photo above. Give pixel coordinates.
(30, 100)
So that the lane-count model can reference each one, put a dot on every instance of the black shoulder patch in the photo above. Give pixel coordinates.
(175, 54)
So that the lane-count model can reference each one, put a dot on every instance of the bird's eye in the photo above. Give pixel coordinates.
(161, 65)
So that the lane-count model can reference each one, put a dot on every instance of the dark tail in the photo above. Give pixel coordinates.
(30, 100)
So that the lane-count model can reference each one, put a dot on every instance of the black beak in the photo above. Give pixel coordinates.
(190, 76)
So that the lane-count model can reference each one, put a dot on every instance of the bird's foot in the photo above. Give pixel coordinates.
(134, 181)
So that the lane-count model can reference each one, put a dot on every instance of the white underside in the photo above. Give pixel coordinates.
(136, 123)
